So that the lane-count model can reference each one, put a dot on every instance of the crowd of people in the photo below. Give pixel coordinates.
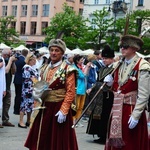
(119, 91)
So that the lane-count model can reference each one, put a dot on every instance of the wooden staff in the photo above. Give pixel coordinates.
(126, 24)
(92, 100)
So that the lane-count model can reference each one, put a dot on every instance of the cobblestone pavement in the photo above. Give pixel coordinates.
(13, 138)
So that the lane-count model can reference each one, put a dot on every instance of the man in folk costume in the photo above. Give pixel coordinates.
(102, 105)
(128, 126)
(51, 129)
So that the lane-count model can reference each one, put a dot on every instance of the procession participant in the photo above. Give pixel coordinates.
(69, 59)
(29, 74)
(100, 114)
(81, 86)
(10, 69)
(91, 80)
(92, 74)
(128, 126)
(18, 80)
(51, 128)
(98, 62)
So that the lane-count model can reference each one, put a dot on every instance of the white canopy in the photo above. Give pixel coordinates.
(118, 54)
(87, 52)
(46, 55)
(2, 46)
(20, 48)
(68, 51)
(140, 55)
(77, 51)
(43, 50)
(148, 56)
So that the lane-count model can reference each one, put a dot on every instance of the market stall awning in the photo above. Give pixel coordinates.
(20, 48)
(2, 46)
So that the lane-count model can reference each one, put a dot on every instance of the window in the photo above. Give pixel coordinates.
(4, 10)
(81, 1)
(140, 2)
(14, 10)
(34, 10)
(13, 25)
(22, 28)
(71, 7)
(93, 24)
(45, 10)
(44, 25)
(96, 1)
(80, 11)
(139, 24)
(107, 1)
(33, 28)
(24, 10)
(70, 0)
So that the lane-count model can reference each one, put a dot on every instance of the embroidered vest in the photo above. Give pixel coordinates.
(131, 84)
(59, 78)
(59, 82)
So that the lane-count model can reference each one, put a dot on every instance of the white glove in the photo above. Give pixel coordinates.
(88, 91)
(109, 80)
(61, 117)
(132, 122)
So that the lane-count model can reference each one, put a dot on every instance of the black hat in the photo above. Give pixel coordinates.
(108, 52)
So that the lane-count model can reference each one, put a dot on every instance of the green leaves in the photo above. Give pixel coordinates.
(8, 35)
(133, 29)
(102, 27)
(71, 23)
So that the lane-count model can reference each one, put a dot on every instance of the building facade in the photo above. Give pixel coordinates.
(140, 4)
(91, 5)
(143, 27)
(117, 9)
(33, 15)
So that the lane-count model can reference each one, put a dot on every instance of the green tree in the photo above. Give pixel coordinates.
(142, 18)
(102, 23)
(8, 35)
(72, 25)
(138, 20)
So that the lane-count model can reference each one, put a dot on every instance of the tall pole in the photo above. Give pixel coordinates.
(117, 6)
(114, 31)
(115, 10)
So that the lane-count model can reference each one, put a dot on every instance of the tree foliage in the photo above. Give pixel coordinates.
(8, 35)
(135, 28)
(102, 23)
(78, 34)
(72, 24)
